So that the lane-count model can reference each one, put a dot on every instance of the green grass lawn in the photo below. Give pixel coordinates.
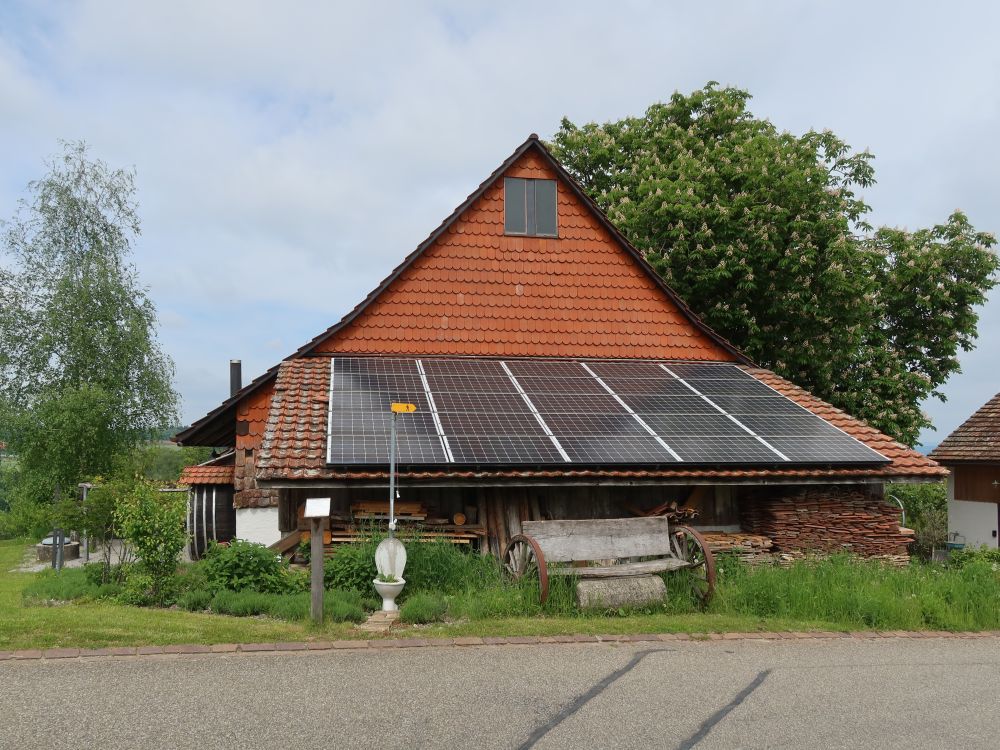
(97, 624)
(100, 623)
(838, 595)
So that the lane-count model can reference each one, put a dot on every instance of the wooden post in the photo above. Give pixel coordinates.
(316, 563)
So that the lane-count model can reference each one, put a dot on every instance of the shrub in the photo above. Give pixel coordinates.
(297, 580)
(196, 600)
(111, 590)
(343, 610)
(423, 608)
(25, 517)
(290, 607)
(959, 558)
(141, 590)
(193, 577)
(245, 565)
(338, 606)
(240, 603)
(352, 568)
(926, 507)
(304, 551)
(153, 525)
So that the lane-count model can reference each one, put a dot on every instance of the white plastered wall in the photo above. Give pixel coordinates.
(257, 525)
(976, 521)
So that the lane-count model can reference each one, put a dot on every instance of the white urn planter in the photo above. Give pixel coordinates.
(389, 591)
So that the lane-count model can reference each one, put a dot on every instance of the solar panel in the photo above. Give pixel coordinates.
(541, 412)
(662, 386)
(622, 423)
(470, 384)
(374, 449)
(504, 449)
(624, 449)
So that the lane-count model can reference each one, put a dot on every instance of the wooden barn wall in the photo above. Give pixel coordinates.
(978, 483)
(502, 509)
(827, 518)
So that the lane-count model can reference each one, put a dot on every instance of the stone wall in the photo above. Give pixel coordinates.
(248, 494)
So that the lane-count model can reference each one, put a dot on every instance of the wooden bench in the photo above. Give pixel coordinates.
(614, 548)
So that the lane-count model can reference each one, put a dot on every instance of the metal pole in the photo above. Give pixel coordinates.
(86, 532)
(316, 564)
(392, 478)
(59, 549)
(902, 508)
(54, 539)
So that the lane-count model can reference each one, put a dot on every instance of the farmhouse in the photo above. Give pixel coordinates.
(972, 453)
(555, 376)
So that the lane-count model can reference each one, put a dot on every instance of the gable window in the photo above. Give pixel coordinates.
(530, 207)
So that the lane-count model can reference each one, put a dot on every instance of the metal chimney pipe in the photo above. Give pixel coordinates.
(235, 376)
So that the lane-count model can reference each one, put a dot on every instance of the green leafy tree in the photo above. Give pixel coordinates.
(764, 234)
(82, 376)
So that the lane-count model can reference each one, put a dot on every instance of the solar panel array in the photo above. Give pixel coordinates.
(588, 412)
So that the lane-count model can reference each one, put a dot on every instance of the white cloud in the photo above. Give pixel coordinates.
(289, 155)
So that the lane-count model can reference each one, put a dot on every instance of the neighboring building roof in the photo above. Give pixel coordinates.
(294, 447)
(977, 439)
(208, 475)
(419, 307)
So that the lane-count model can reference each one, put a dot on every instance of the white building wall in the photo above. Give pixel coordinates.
(257, 525)
(976, 521)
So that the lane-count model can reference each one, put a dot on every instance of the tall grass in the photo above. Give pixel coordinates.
(866, 594)
(841, 590)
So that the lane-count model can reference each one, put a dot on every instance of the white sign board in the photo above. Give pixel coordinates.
(317, 507)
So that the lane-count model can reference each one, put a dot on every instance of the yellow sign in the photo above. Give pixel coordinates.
(404, 408)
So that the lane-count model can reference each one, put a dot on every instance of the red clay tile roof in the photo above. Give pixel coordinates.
(207, 475)
(479, 292)
(475, 291)
(976, 440)
(294, 445)
(251, 417)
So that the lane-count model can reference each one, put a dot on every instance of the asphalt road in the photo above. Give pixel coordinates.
(885, 693)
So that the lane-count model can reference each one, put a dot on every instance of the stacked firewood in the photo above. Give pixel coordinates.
(828, 519)
(747, 547)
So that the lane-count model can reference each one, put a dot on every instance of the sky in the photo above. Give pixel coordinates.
(289, 155)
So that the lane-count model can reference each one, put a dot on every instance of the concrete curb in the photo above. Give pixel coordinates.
(63, 654)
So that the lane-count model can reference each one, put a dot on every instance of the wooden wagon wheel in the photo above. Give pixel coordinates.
(691, 547)
(523, 557)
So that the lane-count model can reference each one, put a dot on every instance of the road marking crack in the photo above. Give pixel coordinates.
(711, 721)
(580, 701)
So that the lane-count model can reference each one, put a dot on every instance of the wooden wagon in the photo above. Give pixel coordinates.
(611, 548)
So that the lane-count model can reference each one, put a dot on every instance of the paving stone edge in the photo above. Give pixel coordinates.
(53, 654)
